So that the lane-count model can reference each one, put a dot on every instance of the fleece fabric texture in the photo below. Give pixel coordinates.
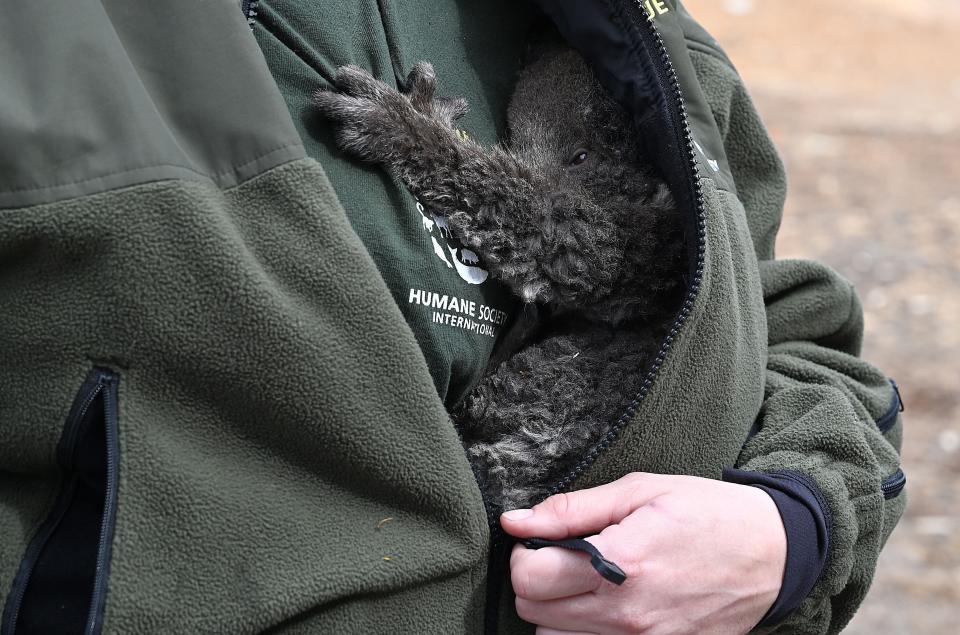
(285, 461)
(255, 480)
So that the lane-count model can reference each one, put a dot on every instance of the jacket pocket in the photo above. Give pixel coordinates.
(60, 586)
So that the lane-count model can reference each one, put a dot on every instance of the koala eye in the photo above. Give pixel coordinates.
(580, 156)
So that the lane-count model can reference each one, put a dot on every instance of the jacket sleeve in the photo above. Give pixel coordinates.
(829, 419)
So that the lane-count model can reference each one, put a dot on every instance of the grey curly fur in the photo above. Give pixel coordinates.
(596, 245)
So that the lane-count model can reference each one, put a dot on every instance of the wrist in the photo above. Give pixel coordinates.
(807, 527)
(770, 541)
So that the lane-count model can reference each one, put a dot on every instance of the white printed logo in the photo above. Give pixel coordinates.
(460, 313)
(448, 248)
(711, 162)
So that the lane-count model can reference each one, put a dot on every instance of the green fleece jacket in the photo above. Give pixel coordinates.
(215, 418)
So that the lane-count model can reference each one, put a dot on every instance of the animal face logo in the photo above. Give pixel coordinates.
(448, 249)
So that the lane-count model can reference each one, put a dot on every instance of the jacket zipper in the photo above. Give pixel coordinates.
(677, 119)
(249, 8)
(108, 520)
(103, 381)
(496, 569)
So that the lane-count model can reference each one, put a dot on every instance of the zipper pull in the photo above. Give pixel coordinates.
(896, 389)
(608, 570)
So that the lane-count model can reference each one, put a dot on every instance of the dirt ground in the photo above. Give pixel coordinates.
(863, 100)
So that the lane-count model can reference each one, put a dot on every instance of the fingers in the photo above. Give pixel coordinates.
(585, 511)
(356, 92)
(358, 88)
(337, 106)
(578, 613)
(552, 573)
(354, 81)
(450, 110)
(421, 85)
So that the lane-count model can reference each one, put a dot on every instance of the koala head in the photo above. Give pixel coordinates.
(590, 159)
(564, 126)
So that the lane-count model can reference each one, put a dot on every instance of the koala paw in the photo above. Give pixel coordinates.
(379, 123)
(367, 113)
(420, 87)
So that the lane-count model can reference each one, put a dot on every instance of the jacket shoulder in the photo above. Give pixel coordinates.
(95, 96)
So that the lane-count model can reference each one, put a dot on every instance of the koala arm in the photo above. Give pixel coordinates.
(549, 247)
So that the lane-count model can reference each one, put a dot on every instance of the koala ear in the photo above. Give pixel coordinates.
(544, 38)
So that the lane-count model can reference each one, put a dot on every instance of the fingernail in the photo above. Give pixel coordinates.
(518, 514)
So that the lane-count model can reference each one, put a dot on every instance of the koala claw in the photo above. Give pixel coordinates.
(418, 91)
(336, 106)
(356, 93)
(356, 82)
(420, 86)
(449, 110)
(373, 118)
(365, 111)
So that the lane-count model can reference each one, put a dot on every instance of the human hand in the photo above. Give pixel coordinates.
(701, 556)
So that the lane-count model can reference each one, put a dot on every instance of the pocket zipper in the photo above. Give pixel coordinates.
(893, 484)
(100, 383)
(108, 520)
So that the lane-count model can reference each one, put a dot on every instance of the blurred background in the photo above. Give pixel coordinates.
(863, 100)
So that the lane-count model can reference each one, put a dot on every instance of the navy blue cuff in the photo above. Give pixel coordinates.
(806, 520)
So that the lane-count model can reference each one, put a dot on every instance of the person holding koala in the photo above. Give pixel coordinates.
(271, 308)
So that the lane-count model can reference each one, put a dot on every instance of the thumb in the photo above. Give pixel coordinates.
(586, 511)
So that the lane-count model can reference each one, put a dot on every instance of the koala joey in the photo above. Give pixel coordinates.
(571, 215)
